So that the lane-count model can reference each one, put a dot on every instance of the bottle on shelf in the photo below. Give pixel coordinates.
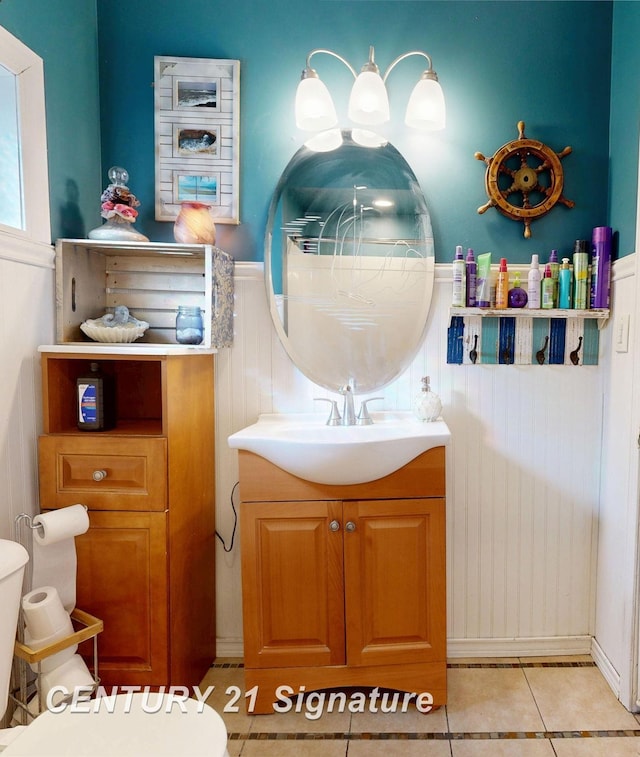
(472, 273)
(502, 286)
(533, 284)
(555, 269)
(600, 267)
(580, 274)
(517, 296)
(564, 285)
(96, 400)
(547, 288)
(458, 299)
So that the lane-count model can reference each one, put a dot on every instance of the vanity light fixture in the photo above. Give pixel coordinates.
(368, 102)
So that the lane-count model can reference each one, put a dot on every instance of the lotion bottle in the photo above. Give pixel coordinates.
(458, 299)
(427, 405)
(533, 284)
(555, 270)
(547, 288)
(564, 285)
(502, 287)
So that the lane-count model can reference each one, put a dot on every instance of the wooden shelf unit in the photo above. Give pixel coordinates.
(146, 566)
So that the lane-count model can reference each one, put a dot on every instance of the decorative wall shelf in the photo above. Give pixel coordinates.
(152, 279)
(519, 336)
(599, 315)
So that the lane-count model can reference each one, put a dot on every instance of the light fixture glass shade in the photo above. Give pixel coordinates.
(426, 108)
(325, 141)
(368, 103)
(366, 138)
(315, 110)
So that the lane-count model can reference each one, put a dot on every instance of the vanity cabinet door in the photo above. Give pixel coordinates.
(122, 578)
(395, 586)
(292, 583)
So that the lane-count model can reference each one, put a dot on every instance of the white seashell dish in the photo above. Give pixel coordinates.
(122, 334)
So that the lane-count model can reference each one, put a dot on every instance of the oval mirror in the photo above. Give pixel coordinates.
(349, 263)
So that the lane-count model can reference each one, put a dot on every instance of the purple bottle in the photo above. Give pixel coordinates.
(471, 272)
(600, 267)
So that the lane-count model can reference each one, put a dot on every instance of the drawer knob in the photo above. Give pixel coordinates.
(334, 525)
(351, 526)
(99, 475)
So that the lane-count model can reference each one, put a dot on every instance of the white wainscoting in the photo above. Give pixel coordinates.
(26, 320)
(522, 482)
(616, 627)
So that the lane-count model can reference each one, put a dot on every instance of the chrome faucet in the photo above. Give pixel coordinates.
(348, 411)
(348, 417)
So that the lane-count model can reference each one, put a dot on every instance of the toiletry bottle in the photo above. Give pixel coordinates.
(600, 267)
(564, 285)
(533, 283)
(483, 281)
(517, 296)
(96, 400)
(472, 272)
(427, 405)
(458, 299)
(555, 269)
(580, 273)
(502, 287)
(547, 288)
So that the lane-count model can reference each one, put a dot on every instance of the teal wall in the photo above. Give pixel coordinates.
(546, 63)
(551, 64)
(625, 118)
(64, 34)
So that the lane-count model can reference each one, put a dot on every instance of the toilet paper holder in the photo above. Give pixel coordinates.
(28, 520)
(88, 627)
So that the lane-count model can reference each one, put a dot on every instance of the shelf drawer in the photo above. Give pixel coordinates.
(104, 473)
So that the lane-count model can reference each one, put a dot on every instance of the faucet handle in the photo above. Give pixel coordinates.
(364, 419)
(334, 416)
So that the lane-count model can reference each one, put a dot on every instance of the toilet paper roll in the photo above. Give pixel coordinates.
(44, 613)
(60, 524)
(54, 550)
(70, 674)
(55, 660)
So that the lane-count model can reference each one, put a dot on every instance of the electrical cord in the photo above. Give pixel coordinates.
(235, 522)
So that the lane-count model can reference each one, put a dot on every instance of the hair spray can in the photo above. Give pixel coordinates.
(580, 274)
(600, 267)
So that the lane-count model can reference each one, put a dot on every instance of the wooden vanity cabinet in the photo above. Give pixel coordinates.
(343, 585)
(146, 564)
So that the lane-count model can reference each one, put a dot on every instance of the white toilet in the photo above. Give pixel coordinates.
(127, 725)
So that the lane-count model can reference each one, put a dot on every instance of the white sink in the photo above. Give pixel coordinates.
(302, 444)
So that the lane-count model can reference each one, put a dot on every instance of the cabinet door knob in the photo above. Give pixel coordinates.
(351, 526)
(99, 475)
(334, 525)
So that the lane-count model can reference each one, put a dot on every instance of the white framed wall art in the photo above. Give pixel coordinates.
(197, 136)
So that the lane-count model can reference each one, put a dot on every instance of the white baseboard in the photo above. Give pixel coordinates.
(529, 647)
(610, 674)
(229, 648)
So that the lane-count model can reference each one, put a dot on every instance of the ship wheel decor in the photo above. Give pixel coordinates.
(524, 180)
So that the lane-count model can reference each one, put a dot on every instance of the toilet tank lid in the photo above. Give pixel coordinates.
(12, 557)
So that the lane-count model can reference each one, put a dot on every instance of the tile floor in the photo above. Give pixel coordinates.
(527, 707)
